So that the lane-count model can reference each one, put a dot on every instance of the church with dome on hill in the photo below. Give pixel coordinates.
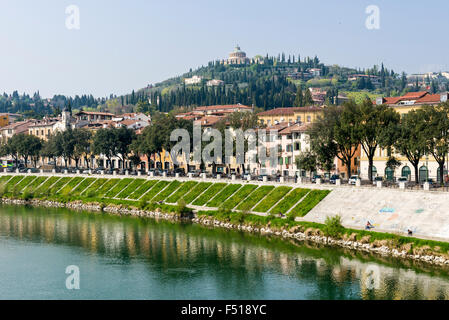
(238, 57)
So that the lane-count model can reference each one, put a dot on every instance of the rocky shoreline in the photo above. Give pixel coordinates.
(382, 247)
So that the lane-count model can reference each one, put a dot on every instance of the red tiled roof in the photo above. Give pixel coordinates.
(297, 127)
(288, 111)
(232, 106)
(209, 120)
(128, 122)
(414, 95)
(419, 97)
(279, 126)
(436, 98)
(96, 113)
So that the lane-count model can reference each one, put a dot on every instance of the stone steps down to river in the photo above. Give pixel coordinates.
(394, 211)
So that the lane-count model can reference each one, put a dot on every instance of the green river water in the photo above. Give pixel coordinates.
(130, 258)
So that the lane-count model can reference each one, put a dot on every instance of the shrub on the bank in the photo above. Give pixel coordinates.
(182, 210)
(3, 189)
(142, 203)
(333, 227)
(28, 195)
(238, 217)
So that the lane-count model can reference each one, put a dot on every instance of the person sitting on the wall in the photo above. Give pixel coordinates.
(369, 226)
(410, 232)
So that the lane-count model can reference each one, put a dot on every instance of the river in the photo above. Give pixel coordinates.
(131, 258)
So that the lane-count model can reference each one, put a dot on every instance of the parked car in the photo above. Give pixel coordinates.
(377, 179)
(334, 178)
(317, 176)
(261, 177)
(353, 180)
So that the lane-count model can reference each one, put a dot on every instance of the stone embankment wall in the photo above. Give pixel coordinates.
(426, 213)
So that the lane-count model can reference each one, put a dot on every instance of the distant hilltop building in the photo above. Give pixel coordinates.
(238, 57)
(215, 83)
(193, 80)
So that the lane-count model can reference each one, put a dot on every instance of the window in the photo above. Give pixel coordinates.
(297, 146)
(280, 160)
(289, 148)
(298, 119)
(309, 118)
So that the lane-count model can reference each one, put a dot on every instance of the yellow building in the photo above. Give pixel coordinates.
(428, 167)
(290, 115)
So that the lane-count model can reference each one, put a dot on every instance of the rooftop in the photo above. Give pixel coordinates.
(289, 111)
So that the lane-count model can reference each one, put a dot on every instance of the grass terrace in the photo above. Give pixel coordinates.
(221, 197)
(209, 194)
(255, 198)
(143, 189)
(238, 198)
(196, 191)
(272, 198)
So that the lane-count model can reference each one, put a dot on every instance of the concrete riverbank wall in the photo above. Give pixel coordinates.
(426, 213)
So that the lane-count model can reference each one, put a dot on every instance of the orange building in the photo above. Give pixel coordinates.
(355, 164)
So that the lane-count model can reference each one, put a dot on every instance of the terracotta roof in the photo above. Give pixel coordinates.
(128, 122)
(231, 106)
(96, 113)
(297, 127)
(288, 111)
(17, 124)
(414, 95)
(436, 98)
(278, 127)
(209, 120)
(419, 97)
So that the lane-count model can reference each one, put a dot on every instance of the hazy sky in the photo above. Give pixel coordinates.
(124, 45)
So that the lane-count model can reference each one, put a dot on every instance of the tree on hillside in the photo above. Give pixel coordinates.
(299, 100)
(308, 100)
(411, 141)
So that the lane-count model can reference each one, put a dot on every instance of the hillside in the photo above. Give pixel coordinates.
(266, 82)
